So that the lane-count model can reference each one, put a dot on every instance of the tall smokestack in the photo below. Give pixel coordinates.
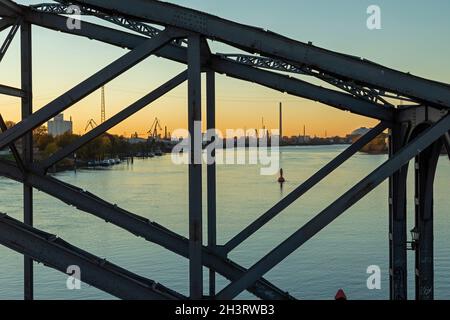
(281, 121)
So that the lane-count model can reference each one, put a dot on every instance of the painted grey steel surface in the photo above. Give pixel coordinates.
(366, 85)
(6, 23)
(10, 91)
(268, 79)
(57, 254)
(398, 272)
(86, 87)
(211, 175)
(336, 208)
(9, 38)
(139, 226)
(369, 94)
(27, 144)
(425, 171)
(257, 40)
(195, 167)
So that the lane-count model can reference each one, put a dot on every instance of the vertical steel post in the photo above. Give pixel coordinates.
(211, 184)
(27, 145)
(425, 170)
(397, 220)
(195, 168)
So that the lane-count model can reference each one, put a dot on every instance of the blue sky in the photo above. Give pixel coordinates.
(414, 38)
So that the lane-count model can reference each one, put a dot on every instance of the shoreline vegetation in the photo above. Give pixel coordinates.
(116, 148)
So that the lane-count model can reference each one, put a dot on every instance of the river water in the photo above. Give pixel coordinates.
(337, 257)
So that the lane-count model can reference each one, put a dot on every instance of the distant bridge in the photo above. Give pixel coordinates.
(418, 129)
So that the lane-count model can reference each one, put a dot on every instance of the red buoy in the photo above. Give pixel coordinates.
(281, 178)
(340, 295)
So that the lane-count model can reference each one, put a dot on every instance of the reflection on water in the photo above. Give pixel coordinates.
(155, 188)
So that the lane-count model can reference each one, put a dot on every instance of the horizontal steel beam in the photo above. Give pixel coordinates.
(88, 86)
(302, 89)
(57, 254)
(9, 8)
(113, 121)
(9, 38)
(268, 79)
(136, 225)
(12, 147)
(10, 91)
(334, 210)
(6, 23)
(257, 40)
(303, 188)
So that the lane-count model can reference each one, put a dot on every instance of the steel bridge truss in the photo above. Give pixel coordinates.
(417, 131)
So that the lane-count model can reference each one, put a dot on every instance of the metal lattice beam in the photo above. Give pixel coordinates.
(9, 8)
(139, 226)
(57, 254)
(6, 23)
(9, 38)
(333, 211)
(269, 79)
(10, 91)
(269, 44)
(88, 86)
(367, 94)
(131, 24)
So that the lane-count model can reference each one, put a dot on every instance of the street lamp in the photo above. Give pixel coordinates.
(415, 236)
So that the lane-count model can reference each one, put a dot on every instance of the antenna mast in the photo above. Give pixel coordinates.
(103, 107)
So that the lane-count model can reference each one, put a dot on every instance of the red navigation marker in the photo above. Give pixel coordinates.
(340, 295)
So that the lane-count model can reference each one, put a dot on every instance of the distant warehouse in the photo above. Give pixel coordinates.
(58, 126)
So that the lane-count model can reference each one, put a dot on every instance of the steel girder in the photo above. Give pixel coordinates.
(425, 172)
(12, 147)
(315, 59)
(57, 254)
(6, 23)
(9, 8)
(113, 121)
(10, 38)
(10, 91)
(139, 27)
(333, 211)
(88, 86)
(195, 167)
(398, 272)
(139, 226)
(268, 79)
(211, 176)
(302, 189)
(27, 141)
(256, 40)
(367, 94)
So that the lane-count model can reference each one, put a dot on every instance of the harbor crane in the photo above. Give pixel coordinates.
(91, 123)
(153, 132)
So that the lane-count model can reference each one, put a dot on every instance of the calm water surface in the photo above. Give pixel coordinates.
(155, 188)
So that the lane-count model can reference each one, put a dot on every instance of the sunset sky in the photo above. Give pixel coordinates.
(414, 38)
